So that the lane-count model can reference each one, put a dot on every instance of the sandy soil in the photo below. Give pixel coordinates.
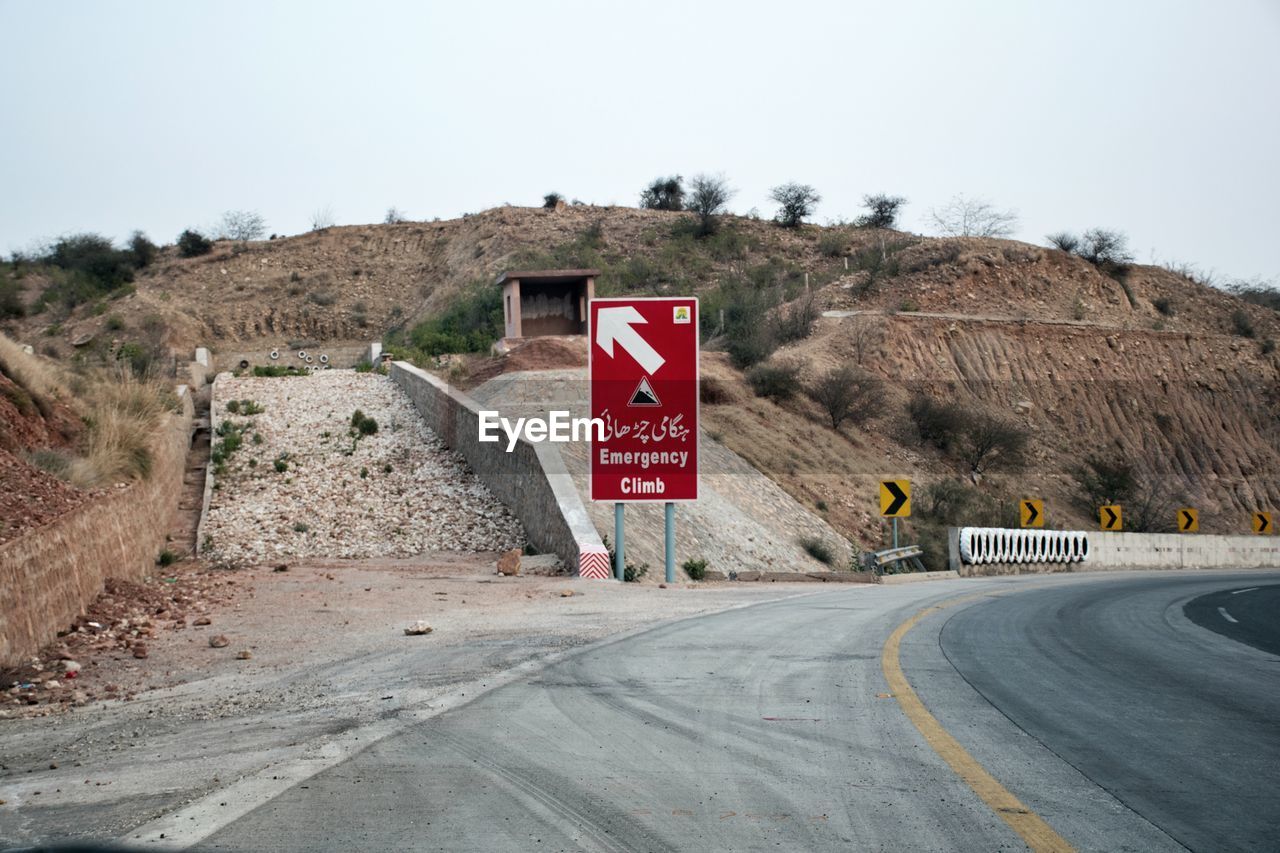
(327, 654)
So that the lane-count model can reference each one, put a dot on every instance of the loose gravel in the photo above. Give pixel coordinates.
(336, 493)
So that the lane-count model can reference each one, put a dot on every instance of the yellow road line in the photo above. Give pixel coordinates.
(1038, 835)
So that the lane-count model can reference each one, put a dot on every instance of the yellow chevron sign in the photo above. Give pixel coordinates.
(895, 498)
(1110, 517)
(1188, 520)
(1031, 512)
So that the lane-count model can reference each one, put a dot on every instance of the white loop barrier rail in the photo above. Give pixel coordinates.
(981, 545)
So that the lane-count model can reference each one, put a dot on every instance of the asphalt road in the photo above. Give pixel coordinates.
(1247, 614)
(1092, 699)
(1179, 725)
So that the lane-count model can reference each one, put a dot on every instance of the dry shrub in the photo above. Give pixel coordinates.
(40, 377)
(124, 413)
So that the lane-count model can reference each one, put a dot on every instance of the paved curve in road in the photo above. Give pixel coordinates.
(1179, 724)
(1247, 614)
(769, 728)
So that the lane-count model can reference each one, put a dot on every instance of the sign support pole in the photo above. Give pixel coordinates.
(619, 561)
(671, 543)
(895, 531)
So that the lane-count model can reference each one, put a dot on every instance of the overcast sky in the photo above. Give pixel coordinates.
(1159, 118)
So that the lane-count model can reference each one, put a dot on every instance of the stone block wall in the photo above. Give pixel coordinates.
(531, 480)
(50, 574)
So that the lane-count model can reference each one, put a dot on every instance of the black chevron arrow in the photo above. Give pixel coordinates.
(899, 498)
(1032, 512)
(1263, 523)
(1187, 520)
(1112, 519)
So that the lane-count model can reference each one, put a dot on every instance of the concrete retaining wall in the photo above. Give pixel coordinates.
(1126, 551)
(1181, 551)
(531, 480)
(50, 574)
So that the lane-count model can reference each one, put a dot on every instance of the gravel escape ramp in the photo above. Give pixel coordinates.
(304, 481)
(742, 520)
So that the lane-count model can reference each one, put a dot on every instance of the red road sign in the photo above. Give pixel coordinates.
(643, 357)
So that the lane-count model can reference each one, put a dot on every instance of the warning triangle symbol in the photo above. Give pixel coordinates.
(643, 395)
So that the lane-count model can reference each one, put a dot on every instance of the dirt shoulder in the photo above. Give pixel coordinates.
(327, 655)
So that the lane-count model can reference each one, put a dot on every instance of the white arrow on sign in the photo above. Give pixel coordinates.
(614, 324)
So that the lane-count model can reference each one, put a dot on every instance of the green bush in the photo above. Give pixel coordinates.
(777, 382)
(233, 406)
(471, 323)
(11, 305)
(142, 249)
(882, 211)
(192, 244)
(166, 558)
(833, 244)
(362, 424)
(278, 370)
(630, 573)
(1242, 324)
(94, 256)
(663, 194)
(696, 569)
(937, 423)
(818, 548)
(281, 465)
(138, 356)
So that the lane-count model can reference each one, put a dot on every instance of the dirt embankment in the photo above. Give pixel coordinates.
(31, 423)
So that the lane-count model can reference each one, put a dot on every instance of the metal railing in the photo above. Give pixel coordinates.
(889, 560)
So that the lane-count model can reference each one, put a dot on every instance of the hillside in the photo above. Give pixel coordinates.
(1146, 365)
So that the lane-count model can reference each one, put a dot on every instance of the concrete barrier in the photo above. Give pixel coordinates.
(916, 577)
(531, 480)
(1118, 552)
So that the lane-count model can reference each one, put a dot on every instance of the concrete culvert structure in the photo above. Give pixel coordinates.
(275, 354)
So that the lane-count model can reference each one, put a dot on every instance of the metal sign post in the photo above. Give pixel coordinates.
(895, 502)
(619, 560)
(671, 542)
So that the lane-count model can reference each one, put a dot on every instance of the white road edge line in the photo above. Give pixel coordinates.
(1227, 616)
(1238, 591)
